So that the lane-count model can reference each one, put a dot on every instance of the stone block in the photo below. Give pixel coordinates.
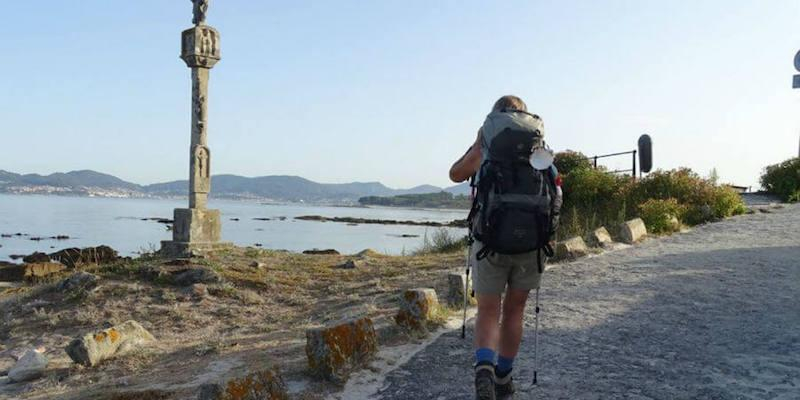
(336, 351)
(93, 348)
(456, 283)
(29, 272)
(600, 237)
(29, 367)
(196, 225)
(266, 384)
(632, 231)
(416, 308)
(571, 249)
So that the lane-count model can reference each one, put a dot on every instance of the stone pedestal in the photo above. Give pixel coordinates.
(194, 230)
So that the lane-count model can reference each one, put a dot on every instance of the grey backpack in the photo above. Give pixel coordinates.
(511, 213)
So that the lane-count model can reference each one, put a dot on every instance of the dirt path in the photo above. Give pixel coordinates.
(709, 314)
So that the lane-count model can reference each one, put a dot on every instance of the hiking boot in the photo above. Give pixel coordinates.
(484, 382)
(504, 386)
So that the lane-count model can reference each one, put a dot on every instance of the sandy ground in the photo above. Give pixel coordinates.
(713, 313)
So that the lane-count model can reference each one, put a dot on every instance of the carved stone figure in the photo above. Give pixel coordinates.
(199, 11)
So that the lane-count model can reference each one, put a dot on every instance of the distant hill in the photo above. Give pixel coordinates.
(275, 187)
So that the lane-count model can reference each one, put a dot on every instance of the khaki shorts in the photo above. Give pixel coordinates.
(491, 274)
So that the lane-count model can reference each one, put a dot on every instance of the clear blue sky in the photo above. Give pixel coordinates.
(394, 91)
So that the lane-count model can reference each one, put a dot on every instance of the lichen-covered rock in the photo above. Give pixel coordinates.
(29, 272)
(196, 275)
(266, 384)
(31, 366)
(632, 231)
(416, 308)
(600, 237)
(350, 264)
(571, 249)
(93, 348)
(334, 352)
(456, 283)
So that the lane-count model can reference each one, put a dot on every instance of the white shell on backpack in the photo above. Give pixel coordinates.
(542, 158)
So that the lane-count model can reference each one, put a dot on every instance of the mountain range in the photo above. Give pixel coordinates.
(273, 187)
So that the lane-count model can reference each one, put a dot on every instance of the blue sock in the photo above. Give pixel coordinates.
(504, 365)
(484, 355)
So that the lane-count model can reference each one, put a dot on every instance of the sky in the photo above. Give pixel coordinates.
(394, 91)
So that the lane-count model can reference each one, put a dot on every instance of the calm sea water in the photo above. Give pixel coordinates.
(117, 223)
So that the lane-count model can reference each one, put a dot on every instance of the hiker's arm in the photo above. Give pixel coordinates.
(557, 200)
(468, 164)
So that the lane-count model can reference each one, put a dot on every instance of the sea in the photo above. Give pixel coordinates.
(129, 225)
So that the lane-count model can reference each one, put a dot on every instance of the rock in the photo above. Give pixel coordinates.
(90, 255)
(196, 275)
(199, 290)
(266, 384)
(35, 271)
(322, 252)
(256, 264)
(80, 280)
(600, 237)
(455, 290)
(93, 348)
(416, 308)
(31, 366)
(336, 351)
(368, 253)
(29, 272)
(349, 264)
(571, 249)
(674, 223)
(632, 231)
(36, 257)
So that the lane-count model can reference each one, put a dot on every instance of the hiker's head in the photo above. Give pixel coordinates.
(510, 102)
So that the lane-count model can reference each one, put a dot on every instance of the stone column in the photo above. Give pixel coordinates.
(197, 228)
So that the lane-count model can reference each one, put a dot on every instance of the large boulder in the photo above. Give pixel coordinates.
(180, 275)
(600, 237)
(417, 306)
(36, 257)
(29, 367)
(29, 272)
(79, 280)
(90, 255)
(95, 347)
(571, 249)
(632, 231)
(266, 384)
(336, 351)
(328, 252)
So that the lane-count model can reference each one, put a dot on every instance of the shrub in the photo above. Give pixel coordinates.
(727, 202)
(657, 215)
(783, 179)
(568, 161)
(592, 198)
(441, 241)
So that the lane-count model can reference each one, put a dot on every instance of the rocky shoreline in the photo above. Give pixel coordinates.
(458, 223)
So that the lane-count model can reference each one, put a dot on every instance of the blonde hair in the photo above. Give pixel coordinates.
(510, 102)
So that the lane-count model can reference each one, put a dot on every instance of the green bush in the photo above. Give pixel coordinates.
(568, 161)
(592, 198)
(727, 202)
(783, 179)
(657, 215)
(441, 241)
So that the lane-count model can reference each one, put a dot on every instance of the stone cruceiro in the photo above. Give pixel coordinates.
(95, 347)
(30, 366)
(336, 351)
(632, 231)
(417, 306)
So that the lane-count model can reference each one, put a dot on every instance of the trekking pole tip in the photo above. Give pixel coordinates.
(535, 377)
(463, 331)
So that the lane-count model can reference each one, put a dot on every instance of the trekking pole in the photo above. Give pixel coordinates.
(536, 340)
(466, 289)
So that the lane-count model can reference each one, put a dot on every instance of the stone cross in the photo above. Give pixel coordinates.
(196, 227)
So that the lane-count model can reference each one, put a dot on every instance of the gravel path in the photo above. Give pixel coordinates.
(709, 314)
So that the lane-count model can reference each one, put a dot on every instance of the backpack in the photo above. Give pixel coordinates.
(511, 212)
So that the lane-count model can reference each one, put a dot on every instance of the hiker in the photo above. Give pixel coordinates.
(507, 255)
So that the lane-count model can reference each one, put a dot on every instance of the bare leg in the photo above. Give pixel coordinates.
(511, 327)
(486, 329)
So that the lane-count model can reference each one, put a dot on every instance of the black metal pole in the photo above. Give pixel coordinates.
(633, 172)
